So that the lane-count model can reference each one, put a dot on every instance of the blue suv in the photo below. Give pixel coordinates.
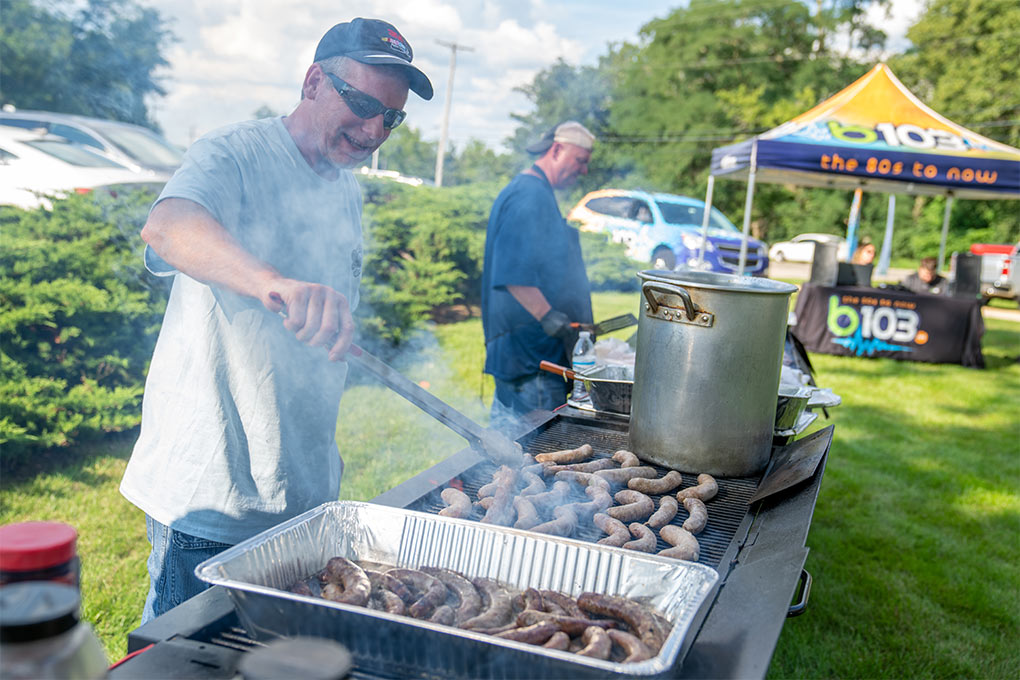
(664, 230)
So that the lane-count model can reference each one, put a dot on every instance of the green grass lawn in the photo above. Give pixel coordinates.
(915, 542)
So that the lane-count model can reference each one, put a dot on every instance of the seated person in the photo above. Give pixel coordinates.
(925, 279)
(865, 254)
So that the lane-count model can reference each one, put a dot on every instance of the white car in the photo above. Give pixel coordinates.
(34, 166)
(801, 248)
(133, 146)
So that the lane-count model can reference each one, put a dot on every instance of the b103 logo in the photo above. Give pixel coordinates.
(869, 328)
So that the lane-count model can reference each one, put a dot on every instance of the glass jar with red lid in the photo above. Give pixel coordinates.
(39, 551)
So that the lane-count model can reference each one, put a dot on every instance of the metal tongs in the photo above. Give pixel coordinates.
(489, 443)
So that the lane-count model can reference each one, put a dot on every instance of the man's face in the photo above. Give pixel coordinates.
(926, 275)
(345, 139)
(570, 162)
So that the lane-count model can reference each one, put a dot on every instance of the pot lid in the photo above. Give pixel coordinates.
(717, 281)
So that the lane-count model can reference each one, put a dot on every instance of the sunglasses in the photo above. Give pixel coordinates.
(366, 106)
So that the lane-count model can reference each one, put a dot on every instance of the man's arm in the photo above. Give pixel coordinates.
(531, 299)
(190, 239)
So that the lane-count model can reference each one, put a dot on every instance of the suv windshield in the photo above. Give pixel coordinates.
(678, 213)
(143, 147)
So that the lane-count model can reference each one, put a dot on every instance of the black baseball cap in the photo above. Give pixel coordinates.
(373, 42)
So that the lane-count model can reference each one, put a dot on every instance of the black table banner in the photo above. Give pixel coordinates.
(872, 322)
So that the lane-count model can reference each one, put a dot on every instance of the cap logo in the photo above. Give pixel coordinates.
(396, 42)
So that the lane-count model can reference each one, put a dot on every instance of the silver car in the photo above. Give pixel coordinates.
(133, 146)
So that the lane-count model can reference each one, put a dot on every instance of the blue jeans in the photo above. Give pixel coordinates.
(515, 398)
(172, 565)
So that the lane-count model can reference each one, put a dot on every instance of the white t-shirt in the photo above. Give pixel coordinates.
(239, 417)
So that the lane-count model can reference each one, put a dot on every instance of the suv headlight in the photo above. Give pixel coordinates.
(693, 242)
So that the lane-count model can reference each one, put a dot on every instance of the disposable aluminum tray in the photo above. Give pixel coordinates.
(258, 571)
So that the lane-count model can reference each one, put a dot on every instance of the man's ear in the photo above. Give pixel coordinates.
(314, 77)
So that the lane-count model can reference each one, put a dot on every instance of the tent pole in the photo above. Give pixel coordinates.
(747, 208)
(853, 220)
(945, 231)
(704, 219)
(886, 254)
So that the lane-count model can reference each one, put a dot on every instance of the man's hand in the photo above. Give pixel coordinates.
(318, 315)
(556, 324)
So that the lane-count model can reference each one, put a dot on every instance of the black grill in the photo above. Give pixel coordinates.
(726, 511)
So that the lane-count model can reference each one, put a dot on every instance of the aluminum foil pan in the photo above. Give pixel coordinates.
(258, 571)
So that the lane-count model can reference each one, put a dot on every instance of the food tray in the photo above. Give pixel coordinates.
(258, 571)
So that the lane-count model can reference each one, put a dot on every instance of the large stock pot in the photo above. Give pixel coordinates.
(706, 374)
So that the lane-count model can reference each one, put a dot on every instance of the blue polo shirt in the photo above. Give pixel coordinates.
(528, 243)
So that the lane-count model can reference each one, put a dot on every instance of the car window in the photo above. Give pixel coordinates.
(642, 212)
(73, 154)
(142, 145)
(66, 131)
(678, 213)
(614, 206)
(6, 156)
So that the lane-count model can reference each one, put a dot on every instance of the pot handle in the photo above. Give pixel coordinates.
(655, 286)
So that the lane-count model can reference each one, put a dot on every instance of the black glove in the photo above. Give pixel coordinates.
(556, 324)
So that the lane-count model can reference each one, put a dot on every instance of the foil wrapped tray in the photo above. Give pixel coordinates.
(258, 572)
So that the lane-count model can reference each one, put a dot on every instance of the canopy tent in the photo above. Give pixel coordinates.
(874, 135)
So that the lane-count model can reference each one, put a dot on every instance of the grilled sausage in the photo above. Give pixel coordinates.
(387, 601)
(496, 608)
(626, 459)
(582, 452)
(706, 489)
(301, 588)
(664, 484)
(644, 538)
(445, 615)
(469, 602)
(571, 625)
(634, 505)
(685, 546)
(631, 646)
(527, 515)
(620, 476)
(353, 586)
(567, 604)
(585, 479)
(631, 613)
(501, 512)
(504, 477)
(597, 644)
(432, 591)
(616, 530)
(533, 483)
(563, 525)
(559, 640)
(457, 503)
(668, 508)
(535, 634)
(552, 497)
(698, 515)
(600, 500)
(589, 467)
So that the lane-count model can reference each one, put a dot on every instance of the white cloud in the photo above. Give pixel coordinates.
(237, 55)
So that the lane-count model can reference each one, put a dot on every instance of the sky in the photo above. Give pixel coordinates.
(234, 56)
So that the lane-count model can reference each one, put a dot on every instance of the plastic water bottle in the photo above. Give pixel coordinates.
(582, 361)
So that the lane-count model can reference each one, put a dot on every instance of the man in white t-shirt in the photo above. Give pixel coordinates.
(261, 228)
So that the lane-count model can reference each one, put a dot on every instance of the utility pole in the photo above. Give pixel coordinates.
(446, 109)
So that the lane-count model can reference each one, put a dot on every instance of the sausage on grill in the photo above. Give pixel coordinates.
(597, 644)
(457, 503)
(620, 476)
(432, 592)
(527, 515)
(582, 452)
(534, 634)
(626, 459)
(496, 608)
(685, 546)
(668, 508)
(469, 602)
(634, 505)
(644, 538)
(351, 584)
(706, 489)
(563, 525)
(664, 484)
(589, 467)
(631, 613)
(631, 646)
(616, 530)
(698, 515)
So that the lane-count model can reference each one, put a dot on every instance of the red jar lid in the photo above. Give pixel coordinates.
(36, 545)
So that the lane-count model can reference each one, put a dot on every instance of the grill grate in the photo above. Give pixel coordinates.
(726, 511)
